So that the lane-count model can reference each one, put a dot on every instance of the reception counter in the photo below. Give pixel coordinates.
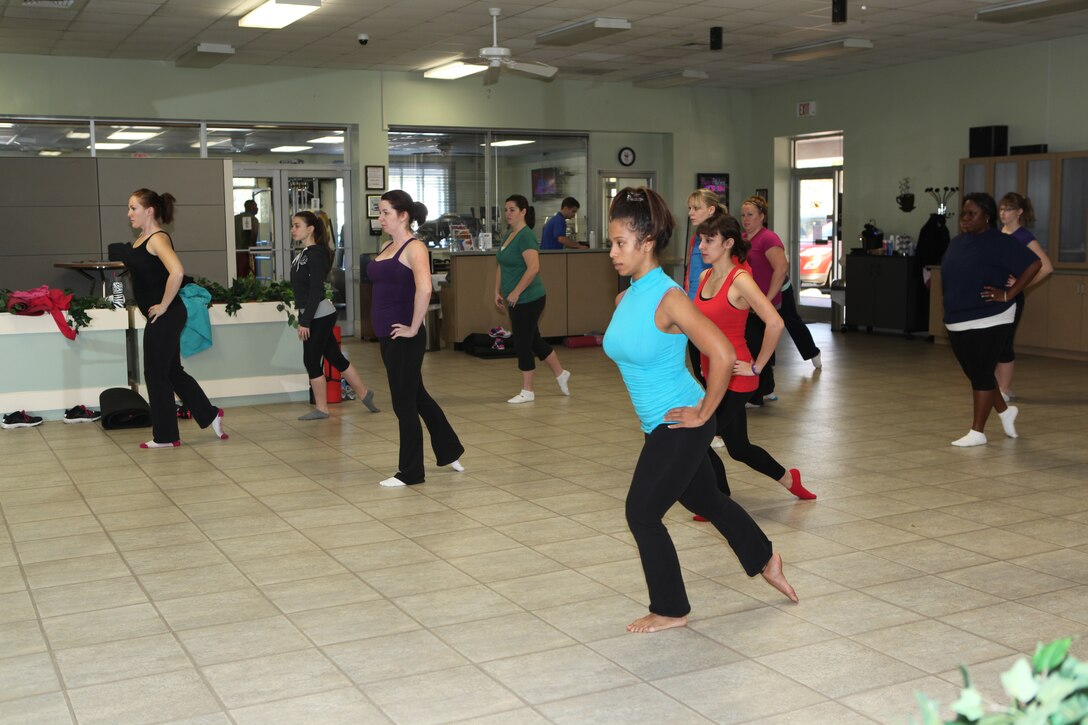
(582, 287)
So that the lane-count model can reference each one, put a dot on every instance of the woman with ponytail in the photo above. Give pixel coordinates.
(157, 275)
(401, 274)
(317, 316)
(518, 288)
(646, 338)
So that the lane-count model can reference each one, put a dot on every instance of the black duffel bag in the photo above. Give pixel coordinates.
(124, 408)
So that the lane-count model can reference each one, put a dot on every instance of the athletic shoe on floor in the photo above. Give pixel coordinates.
(20, 419)
(771, 397)
(184, 413)
(525, 396)
(81, 414)
(717, 442)
(499, 332)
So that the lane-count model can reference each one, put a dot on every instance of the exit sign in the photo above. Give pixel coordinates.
(806, 108)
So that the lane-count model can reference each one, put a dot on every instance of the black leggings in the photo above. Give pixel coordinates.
(525, 321)
(795, 326)
(403, 358)
(322, 344)
(753, 336)
(674, 466)
(732, 426)
(165, 377)
(1008, 355)
(978, 351)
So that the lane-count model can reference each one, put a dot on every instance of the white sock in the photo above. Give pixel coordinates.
(1008, 421)
(816, 362)
(973, 438)
(525, 396)
(153, 444)
(458, 466)
(217, 426)
(392, 482)
(563, 379)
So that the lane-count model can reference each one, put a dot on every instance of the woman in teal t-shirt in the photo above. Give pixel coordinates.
(518, 288)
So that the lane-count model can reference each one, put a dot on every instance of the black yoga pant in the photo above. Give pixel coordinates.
(322, 344)
(696, 359)
(525, 321)
(977, 352)
(674, 466)
(403, 358)
(795, 326)
(1008, 355)
(165, 377)
(732, 425)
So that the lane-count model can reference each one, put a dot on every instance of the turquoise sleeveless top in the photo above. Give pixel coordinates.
(652, 362)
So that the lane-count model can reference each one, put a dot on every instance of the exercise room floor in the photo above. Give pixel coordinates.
(269, 579)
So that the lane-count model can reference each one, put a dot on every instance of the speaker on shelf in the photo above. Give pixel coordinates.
(1035, 148)
(838, 11)
(989, 141)
(716, 37)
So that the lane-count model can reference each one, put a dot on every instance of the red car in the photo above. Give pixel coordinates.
(815, 263)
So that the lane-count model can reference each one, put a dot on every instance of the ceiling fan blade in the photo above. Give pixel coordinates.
(533, 68)
(491, 75)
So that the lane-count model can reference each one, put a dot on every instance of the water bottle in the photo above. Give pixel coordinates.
(118, 296)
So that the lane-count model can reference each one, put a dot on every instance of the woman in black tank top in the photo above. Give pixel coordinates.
(156, 278)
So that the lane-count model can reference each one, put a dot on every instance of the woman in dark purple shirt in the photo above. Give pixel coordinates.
(401, 275)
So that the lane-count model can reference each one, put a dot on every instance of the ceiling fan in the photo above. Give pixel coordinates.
(496, 58)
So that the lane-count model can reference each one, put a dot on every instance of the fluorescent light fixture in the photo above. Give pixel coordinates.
(673, 78)
(289, 149)
(7, 125)
(1029, 10)
(327, 139)
(278, 14)
(509, 142)
(823, 49)
(227, 130)
(132, 135)
(210, 142)
(47, 152)
(77, 134)
(204, 55)
(57, 4)
(453, 71)
(582, 31)
(102, 146)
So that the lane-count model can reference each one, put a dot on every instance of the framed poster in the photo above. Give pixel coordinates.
(717, 182)
(372, 201)
(762, 193)
(375, 228)
(375, 178)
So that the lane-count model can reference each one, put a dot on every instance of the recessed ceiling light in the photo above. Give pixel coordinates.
(276, 14)
(511, 142)
(582, 31)
(132, 135)
(103, 146)
(77, 134)
(47, 152)
(1016, 12)
(453, 71)
(823, 49)
(327, 139)
(7, 125)
(289, 149)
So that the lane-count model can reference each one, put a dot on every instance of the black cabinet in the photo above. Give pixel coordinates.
(886, 293)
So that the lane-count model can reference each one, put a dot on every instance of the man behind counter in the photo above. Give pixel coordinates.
(554, 235)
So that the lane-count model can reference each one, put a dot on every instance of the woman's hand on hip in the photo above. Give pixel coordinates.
(303, 333)
(400, 330)
(512, 298)
(745, 367)
(684, 418)
(154, 312)
(994, 294)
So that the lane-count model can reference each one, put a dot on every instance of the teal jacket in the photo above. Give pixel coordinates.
(197, 334)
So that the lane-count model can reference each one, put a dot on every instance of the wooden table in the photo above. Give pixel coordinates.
(100, 266)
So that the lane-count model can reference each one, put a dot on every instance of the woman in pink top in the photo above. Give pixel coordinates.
(726, 294)
(771, 272)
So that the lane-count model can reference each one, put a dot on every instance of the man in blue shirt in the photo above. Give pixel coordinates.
(554, 235)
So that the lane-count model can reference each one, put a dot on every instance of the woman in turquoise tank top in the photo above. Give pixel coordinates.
(647, 338)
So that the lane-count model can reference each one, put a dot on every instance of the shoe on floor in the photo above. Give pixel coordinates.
(717, 442)
(771, 397)
(525, 396)
(81, 414)
(20, 419)
(564, 382)
(973, 438)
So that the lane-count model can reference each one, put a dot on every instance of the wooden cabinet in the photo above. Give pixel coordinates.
(1067, 323)
(885, 293)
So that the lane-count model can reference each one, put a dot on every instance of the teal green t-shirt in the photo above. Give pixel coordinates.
(512, 266)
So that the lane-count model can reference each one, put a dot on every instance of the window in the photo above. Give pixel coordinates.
(429, 184)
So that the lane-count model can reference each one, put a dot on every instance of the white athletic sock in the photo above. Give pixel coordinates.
(1008, 420)
(973, 438)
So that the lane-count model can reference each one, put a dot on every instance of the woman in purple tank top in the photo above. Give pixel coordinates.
(401, 275)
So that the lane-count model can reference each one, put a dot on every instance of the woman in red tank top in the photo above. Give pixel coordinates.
(726, 293)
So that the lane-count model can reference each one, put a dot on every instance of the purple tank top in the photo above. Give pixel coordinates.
(394, 293)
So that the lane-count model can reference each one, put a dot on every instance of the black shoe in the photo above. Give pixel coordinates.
(184, 413)
(755, 403)
(81, 414)
(20, 419)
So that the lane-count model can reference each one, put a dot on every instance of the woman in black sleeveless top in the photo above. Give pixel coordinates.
(156, 278)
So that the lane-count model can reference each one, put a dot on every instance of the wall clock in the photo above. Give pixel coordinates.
(627, 156)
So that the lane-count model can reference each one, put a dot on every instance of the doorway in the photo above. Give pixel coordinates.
(609, 184)
(815, 259)
(267, 251)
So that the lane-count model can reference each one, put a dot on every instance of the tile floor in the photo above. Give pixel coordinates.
(268, 579)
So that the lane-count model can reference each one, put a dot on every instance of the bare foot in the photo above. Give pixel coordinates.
(655, 623)
(774, 576)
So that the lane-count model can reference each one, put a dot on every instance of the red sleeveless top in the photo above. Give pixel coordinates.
(731, 321)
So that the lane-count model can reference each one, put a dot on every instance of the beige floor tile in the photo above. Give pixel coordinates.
(825, 712)
(897, 704)
(839, 667)
(508, 636)
(326, 516)
(319, 592)
(513, 515)
(26, 675)
(326, 708)
(352, 534)
(851, 612)
(289, 567)
(466, 542)
(931, 556)
(382, 554)
(205, 610)
(171, 558)
(11, 578)
(144, 699)
(931, 596)
(236, 526)
(84, 597)
(998, 543)
(155, 536)
(120, 660)
(554, 674)
(633, 704)
(402, 581)
(1068, 603)
(761, 631)
(461, 693)
(674, 652)
(191, 582)
(452, 606)
(1013, 625)
(49, 708)
(274, 677)
(1067, 564)
(394, 656)
(859, 569)
(864, 535)
(103, 625)
(548, 590)
(76, 570)
(745, 699)
(242, 640)
(141, 518)
(1006, 580)
(348, 622)
(932, 646)
(21, 638)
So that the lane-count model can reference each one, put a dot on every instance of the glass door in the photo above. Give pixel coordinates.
(816, 246)
(609, 184)
(278, 193)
